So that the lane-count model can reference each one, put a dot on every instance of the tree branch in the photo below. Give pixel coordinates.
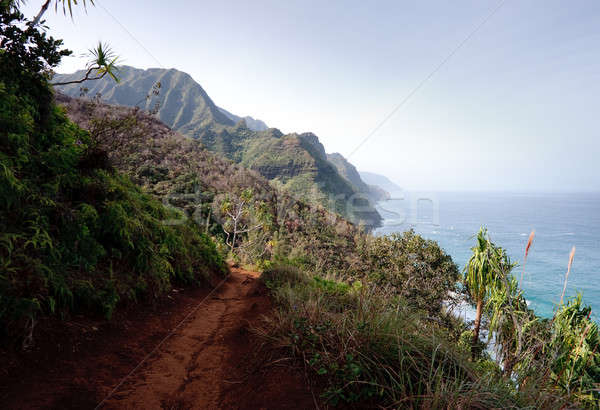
(87, 77)
(250, 229)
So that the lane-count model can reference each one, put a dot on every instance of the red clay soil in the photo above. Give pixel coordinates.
(212, 361)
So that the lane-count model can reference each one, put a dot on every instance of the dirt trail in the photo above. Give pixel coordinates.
(210, 362)
(195, 367)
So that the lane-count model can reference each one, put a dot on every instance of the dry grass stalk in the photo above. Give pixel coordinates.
(529, 242)
(567, 275)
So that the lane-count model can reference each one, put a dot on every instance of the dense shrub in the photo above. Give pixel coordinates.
(76, 237)
(418, 270)
(279, 227)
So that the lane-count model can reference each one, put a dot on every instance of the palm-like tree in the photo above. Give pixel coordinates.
(66, 5)
(482, 271)
(103, 61)
(510, 318)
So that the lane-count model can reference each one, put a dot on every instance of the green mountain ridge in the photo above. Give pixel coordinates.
(295, 162)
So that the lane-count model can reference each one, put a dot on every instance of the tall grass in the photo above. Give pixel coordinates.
(369, 348)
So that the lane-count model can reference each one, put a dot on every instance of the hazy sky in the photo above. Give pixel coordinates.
(516, 108)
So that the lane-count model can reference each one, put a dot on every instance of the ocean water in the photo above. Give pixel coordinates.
(560, 221)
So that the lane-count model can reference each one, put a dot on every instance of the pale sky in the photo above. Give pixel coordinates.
(515, 109)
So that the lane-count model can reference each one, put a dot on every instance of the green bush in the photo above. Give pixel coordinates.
(362, 350)
(416, 269)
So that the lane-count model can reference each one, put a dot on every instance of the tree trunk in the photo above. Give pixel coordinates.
(37, 18)
(508, 366)
(477, 326)
(234, 231)
(207, 221)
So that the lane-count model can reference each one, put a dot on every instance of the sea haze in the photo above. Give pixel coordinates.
(561, 221)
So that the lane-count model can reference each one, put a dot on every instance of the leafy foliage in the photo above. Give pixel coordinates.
(26, 57)
(487, 266)
(103, 62)
(374, 341)
(574, 347)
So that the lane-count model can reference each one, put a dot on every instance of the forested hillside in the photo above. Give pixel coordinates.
(182, 173)
(297, 162)
(355, 307)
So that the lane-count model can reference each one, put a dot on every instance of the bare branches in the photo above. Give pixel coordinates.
(237, 224)
(241, 217)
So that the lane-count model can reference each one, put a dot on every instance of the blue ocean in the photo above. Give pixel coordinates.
(560, 221)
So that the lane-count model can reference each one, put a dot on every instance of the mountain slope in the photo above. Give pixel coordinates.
(348, 171)
(183, 103)
(381, 181)
(296, 161)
